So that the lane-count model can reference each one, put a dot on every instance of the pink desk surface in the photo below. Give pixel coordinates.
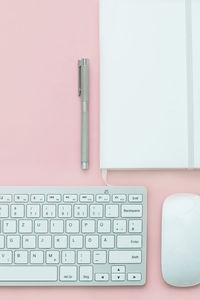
(40, 42)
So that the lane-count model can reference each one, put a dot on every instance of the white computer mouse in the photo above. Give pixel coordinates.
(181, 240)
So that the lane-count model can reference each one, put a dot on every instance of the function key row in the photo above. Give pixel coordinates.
(71, 198)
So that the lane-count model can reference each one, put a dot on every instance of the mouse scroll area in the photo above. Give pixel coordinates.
(181, 240)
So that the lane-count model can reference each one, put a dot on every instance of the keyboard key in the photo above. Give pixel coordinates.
(5, 258)
(5, 198)
(96, 211)
(13, 241)
(25, 226)
(88, 226)
(135, 198)
(41, 226)
(53, 198)
(103, 198)
(37, 257)
(2, 243)
(29, 242)
(86, 273)
(134, 276)
(118, 277)
(129, 241)
(17, 211)
(119, 226)
(33, 211)
(28, 273)
(21, 257)
(125, 257)
(20, 198)
(101, 277)
(70, 198)
(72, 226)
(86, 198)
(60, 242)
(103, 226)
(49, 211)
(84, 257)
(52, 257)
(76, 241)
(64, 211)
(68, 257)
(107, 241)
(92, 241)
(9, 226)
(111, 211)
(99, 257)
(57, 226)
(118, 269)
(131, 211)
(37, 198)
(80, 211)
(45, 242)
(135, 225)
(3, 211)
(119, 198)
(68, 273)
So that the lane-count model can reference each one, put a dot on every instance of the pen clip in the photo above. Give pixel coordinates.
(79, 76)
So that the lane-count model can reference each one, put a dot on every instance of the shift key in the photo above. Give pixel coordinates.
(125, 257)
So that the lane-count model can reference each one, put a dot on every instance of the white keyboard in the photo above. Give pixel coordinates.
(73, 235)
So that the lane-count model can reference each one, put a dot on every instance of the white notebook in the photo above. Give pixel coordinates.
(150, 84)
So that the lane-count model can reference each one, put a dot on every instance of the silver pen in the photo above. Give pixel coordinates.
(83, 92)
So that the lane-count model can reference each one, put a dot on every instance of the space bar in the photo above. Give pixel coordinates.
(28, 273)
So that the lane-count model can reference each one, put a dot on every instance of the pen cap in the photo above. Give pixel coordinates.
(84, 79)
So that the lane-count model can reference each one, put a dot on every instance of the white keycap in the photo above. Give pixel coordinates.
(70, 198)
(25, 226)
(86, 273)
(119, 226)
(29, 242)
(119, 198)
(118, 277)
(49, 211)
(135, 225)
(45, 242)
(111, 211)
(118, 269)
(37, 257)
(57, 226)
(103, 226)
(3, 211)
(68, 257)
(88, 226)
(80, 211)
(72, 226)
(53, 198)
(125, 257)
(86, 198)
(37, 198)
(99, 257)
(2, 242)
(52, 257)
(41, 226)
(13, 241)
(64, 211)
(20, 198)
(96, 211)
(129, 241)
(101, 277)
(33, 211)
(28, 273)
(84, 257)
(5, 198)
(135, 198)
(21, 257)
(103, 198)
(134, 276)
(68, 273)
(76, 241)
(60, 242)
(131, 211)
(107, 241)
(5, 257)
(9, 226)
(92, 241)
(17, 211)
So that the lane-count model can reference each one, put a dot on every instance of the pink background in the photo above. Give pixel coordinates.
(40, 42)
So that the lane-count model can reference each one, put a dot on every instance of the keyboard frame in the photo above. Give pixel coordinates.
(137, 268)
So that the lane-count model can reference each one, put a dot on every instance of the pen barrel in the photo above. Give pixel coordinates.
(85, 135)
